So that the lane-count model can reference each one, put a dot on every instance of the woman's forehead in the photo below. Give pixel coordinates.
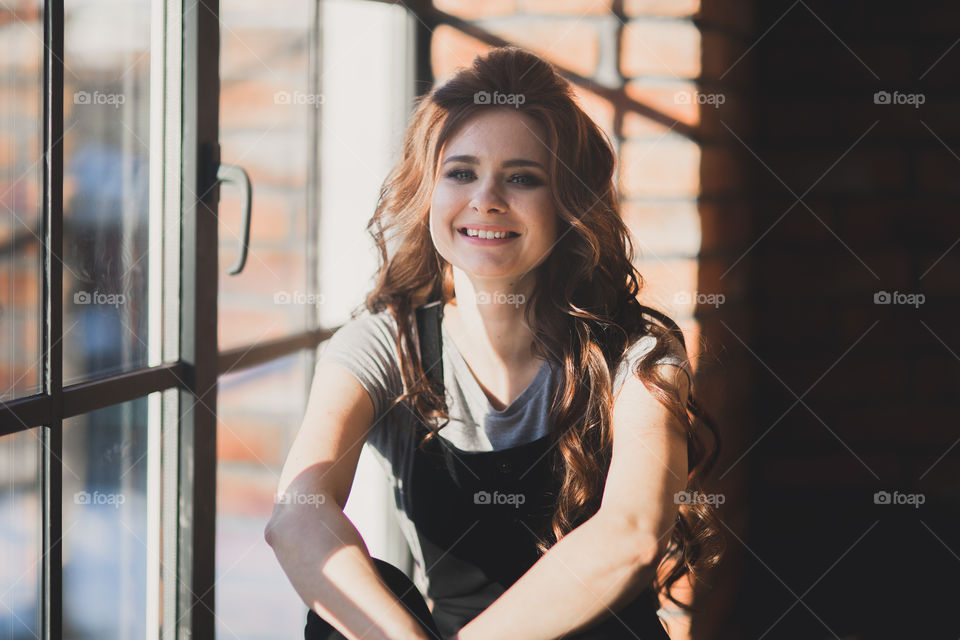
(496, 133)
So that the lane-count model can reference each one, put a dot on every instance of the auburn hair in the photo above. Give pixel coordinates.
(585, 299)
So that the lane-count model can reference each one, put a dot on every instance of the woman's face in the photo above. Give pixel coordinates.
(493, 175)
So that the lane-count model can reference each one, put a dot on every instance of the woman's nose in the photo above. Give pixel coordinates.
(487, 198)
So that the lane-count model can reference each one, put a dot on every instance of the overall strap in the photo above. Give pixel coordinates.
(431, 346)
(429, 336)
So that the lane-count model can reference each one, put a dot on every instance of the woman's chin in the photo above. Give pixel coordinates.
(489, 274)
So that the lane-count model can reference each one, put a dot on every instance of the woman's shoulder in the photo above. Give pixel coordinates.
(366, 327)
(643, 342)
(366, 345)
(645, 339)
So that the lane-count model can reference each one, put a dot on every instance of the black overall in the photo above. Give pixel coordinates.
(475, 515)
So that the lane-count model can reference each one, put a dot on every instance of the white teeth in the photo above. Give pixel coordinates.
(488, 235)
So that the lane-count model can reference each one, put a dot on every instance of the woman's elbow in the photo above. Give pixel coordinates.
(275, 528)
(270, 533)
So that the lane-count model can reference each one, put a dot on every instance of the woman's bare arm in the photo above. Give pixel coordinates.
(317, 546)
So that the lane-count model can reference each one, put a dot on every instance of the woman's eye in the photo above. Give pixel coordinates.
(459, 174)
(530, 180)
(522, 179)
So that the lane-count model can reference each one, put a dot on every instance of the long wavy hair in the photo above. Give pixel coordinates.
(585, 302)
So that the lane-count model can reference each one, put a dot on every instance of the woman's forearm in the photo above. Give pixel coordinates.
(591, 571)
(329, 566)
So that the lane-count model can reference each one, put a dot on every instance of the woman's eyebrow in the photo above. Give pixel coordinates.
(515, 162)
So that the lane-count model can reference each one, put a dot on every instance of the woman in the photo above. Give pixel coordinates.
(542, 443)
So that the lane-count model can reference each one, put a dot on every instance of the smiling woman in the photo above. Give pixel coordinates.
(499, 353)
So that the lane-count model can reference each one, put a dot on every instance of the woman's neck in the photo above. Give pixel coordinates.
(489, 318)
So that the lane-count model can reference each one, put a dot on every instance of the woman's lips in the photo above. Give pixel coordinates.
(486, 241)
(463, 230)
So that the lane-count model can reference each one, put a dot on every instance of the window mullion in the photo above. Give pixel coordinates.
(51, 434)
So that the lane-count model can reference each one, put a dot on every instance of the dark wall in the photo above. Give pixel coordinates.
(844, 196)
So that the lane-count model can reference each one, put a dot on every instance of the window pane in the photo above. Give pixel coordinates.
(20, 517)
(21, 115)
(106, 179)
(105, 532)
(266, 108)
(260, 410)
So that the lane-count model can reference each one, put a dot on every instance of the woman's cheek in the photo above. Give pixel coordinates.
(443, 205)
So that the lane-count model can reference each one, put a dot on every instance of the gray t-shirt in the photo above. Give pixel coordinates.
(367, 346)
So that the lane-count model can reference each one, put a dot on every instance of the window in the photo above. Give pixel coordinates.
(152, 366)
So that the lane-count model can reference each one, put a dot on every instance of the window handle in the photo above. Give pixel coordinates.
(235, 174)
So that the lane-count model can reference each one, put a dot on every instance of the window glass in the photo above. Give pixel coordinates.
(106, 163)
(21, 115)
